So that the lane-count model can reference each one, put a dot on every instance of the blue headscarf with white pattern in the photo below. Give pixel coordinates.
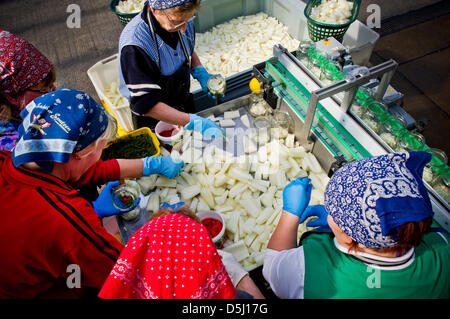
(369, 199)
(165, 4)
(57, 124)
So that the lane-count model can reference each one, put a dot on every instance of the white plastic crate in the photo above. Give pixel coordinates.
(102, 74)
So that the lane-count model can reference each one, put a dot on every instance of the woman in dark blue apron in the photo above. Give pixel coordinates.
(157, 57)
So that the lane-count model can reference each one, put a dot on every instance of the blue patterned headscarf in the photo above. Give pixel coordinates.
(57, 124)
(369, 199)
(165, 4)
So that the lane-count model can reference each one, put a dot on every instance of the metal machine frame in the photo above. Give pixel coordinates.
(339, 109)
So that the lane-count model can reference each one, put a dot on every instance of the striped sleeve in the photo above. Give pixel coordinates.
(140, 74)
(82, 238)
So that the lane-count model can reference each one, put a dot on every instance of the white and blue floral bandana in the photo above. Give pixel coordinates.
(57, 124)
(165, 4)
(369, 199)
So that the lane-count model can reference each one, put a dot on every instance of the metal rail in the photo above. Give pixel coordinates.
(349, 86)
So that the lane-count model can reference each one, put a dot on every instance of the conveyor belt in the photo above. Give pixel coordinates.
(325, 126)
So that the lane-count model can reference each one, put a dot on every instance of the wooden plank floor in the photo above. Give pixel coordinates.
(418, 40)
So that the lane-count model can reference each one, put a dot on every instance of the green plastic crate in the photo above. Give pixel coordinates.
(318, 31)
(123, 17)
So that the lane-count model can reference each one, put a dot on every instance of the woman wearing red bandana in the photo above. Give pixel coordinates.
(25, 74)
(173, 257)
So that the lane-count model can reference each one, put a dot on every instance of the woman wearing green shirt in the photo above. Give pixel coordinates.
(374, 239)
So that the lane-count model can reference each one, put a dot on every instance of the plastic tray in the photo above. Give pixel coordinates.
(102, 74)
(141, 131)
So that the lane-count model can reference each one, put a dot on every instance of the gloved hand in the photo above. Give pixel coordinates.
(174, 207)
(321, 223)
(233, 267)
(205, 126)
(163, 165)
(103, 205)
(296, 196)
(200, 74)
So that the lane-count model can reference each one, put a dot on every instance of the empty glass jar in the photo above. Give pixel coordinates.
(282, 123)
(305, 49)
(331, 72)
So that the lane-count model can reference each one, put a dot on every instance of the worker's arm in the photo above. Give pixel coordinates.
(285, 234)
(248, 285)
(163, 112)
(195, 60)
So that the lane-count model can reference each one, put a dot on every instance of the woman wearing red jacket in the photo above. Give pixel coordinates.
(48, 232)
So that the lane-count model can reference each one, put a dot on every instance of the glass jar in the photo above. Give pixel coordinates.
(316, 62)
(257, 105)
(126, 195)
(435, 167)
(394, 127)
(305, 49)
(442, 186)
(282, 123)
(375, 115)
(331, 71)
(263, 125)
(217, 85)
(411, 142)
(363, 97)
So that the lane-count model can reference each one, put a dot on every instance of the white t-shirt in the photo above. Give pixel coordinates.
(285, 272)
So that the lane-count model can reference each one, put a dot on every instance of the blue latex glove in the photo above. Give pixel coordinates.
(205, 126)
(163, 165)
(296, 196)
(174, 207)
(200, 74)
(321, 223)
(103, 205)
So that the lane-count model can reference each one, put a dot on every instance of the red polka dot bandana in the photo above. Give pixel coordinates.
(171, 257)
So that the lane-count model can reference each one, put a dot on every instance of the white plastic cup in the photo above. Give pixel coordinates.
(219, 240)
(171, 140)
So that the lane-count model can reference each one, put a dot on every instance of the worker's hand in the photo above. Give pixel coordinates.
(163, 165)
(233, 267)
(321, 222)
(200, 74)
(103, 205)
(296, 196)
(174, 207)
(205, 126)
(215, 96)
